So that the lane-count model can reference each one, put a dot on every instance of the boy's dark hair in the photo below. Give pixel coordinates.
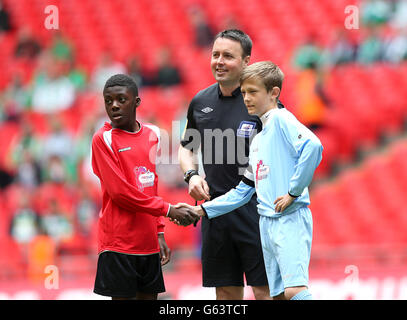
(239, 36)
(122, 80)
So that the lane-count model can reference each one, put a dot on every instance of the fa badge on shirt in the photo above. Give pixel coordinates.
(246, 129)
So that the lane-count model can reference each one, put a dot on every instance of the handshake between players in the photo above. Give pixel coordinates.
(184, 214)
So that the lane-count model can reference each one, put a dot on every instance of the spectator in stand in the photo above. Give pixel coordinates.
(6, 178)
(56, 223)
(167, 74)
(309, 55)
(86, 211)
(28, 171)
(27, 46)
(136, 72)
(371, 48)
(52, 89)
(399, 18)
(311, 100)
(25, 221)
(55, 170)
(107, 67)
(28, 142)
(55, 187)
(63, 51)
(202, 30)
(58, 142)
(341, 51)
(310, 60)
(41, 253)
(395, 46)
(14, 100)
(5, 24)
(60, 47)
(229, 22)
(76, 75)
(375, 12)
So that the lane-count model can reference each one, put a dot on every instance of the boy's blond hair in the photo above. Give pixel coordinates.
(268, 72)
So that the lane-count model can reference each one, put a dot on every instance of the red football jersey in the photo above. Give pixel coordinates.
(132, 214)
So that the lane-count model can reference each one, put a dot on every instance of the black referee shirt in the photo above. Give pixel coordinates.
(223, 128)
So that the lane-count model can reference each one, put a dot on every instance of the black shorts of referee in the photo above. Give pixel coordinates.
(122, 275)
(231, 249)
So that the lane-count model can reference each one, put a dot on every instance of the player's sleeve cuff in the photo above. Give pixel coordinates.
(248, 182)
(204, 210)
(168, 209)
(292, 195)
(248, 177)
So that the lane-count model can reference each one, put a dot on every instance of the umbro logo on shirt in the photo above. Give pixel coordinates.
(207, 109)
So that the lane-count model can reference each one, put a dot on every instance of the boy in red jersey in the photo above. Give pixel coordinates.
(131, 222)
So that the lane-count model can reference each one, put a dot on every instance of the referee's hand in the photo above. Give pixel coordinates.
(198, 188)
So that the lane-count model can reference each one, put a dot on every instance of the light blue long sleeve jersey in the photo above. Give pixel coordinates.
(283, 158)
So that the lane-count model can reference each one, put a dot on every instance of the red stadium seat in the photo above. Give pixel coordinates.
(366, 204)
(12, 266)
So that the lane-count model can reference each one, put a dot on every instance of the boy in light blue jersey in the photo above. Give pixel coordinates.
(283, 158)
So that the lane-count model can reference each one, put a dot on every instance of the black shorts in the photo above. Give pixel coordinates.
(231, 249)
(122, 275)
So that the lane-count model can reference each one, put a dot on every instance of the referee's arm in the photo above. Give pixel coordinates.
(197, 186)
(187, 159)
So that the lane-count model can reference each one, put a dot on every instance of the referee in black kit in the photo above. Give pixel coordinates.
(218, 122)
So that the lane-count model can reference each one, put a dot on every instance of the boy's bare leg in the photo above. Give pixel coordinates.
(281, 296)
(146, 296)
(236, 293)
(293, 291)
(229, 293)
(261, 293)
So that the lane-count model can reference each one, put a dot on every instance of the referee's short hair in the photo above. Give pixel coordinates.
(122, 80)
(239, 36)
(268, 72)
